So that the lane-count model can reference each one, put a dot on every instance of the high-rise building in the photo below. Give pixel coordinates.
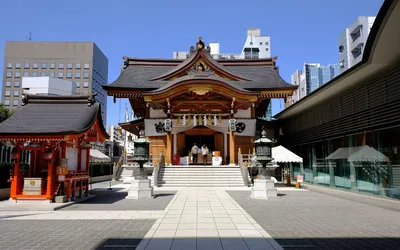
(352, 42)
(81, 62)
(255, 46)
(312, 77)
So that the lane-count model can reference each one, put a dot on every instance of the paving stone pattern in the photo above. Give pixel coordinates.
(310, 220)
(72, 234)
(115, 200)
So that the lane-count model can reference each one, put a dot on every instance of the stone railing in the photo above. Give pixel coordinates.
(243, 169)
(118, 167)
(159, 164)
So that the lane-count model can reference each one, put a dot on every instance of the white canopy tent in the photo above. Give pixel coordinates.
(98, 156)
(282, 154)
(358, 154)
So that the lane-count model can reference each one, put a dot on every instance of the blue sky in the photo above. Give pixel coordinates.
(301, 31)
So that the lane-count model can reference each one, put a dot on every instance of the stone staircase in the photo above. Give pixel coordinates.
(200, 176)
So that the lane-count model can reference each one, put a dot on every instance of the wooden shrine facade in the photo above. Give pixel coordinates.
(218, 101)
(56, 131)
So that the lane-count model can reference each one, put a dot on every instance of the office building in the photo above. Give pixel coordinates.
(311, 78)
(255, 46)
(352, 42)
(81, 62)
(348, 130)
(45, 85)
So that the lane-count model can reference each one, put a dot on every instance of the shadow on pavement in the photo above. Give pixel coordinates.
(216, 243)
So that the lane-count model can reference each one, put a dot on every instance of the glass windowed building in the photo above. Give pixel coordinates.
(348, 130)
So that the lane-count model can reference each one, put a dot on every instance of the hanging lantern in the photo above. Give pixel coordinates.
(189, 120)
(209, 121)
(219, 119)
(200, 120)
(179, 119)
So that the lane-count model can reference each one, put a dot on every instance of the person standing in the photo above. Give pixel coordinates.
(195, 150)
(204, 152)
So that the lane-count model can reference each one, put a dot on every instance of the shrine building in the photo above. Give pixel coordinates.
(198, 100)
(57, 131)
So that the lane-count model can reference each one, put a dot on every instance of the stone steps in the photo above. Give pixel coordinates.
(200, 176)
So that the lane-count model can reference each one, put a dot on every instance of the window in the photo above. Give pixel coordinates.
(7, 102)
(342, 64)
(266, 43)
(52, 65)
(9, 74)
(266, 49)
(86, 74)
(7, 93)
(61, 65)
(86, 66)
(60, 74)
(43, 73)
(26, 66)
(69, 66)
(69, 74)
(16, 92)
(85, 84)
(52, 74)
(260, 43)
(17, 65)
(26, 74)
(16, 84)
(78, 84)
(35, 66)
(77, 74)
(341, 48)
(15, 102)
(251, 43)
(34, 73)
(9, 65)
(8, 84)
(44, 65)
(77, 66)
(17, 74)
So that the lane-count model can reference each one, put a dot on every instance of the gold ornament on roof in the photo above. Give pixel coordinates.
(200, 89)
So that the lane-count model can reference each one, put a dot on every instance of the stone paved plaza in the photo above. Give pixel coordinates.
(205, 218)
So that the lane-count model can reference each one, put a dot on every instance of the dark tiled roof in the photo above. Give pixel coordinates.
(140, 77)
(53, 115)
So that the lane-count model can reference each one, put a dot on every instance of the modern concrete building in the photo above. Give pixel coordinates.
(255, 46)
(352, 42)
(81, 62)
(348, 130)
(311, 78)
(45, 85)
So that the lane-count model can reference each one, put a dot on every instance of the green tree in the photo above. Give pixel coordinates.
(4, 113)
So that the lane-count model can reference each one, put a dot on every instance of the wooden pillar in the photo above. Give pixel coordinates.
(50, 169)
(16, 180)
(168, 154)
(253, 111)
(88, 159)
(231, 148)
(79, 158)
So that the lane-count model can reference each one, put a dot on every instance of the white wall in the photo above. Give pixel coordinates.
(157, 113)
(243, 113)
(83, 159)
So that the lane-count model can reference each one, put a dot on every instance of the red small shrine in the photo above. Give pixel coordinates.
(57, 131)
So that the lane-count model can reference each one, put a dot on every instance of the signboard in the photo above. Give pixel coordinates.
(62, 170)
(300, 178)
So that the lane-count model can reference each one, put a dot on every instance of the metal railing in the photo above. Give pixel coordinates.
(159, 164)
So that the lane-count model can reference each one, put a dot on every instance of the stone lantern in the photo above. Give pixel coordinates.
(140, 185)
(263, 185)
